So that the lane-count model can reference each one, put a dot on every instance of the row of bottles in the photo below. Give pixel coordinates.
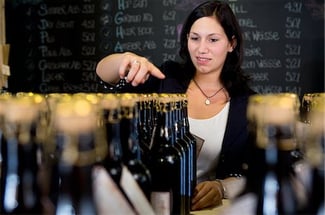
(172, 158)
(286, 140)
(96, 154)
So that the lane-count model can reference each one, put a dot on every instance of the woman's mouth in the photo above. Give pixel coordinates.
(202, 59)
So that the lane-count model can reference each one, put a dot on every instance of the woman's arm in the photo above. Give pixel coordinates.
(133, 68)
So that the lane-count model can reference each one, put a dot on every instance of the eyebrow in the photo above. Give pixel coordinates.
(212, 34)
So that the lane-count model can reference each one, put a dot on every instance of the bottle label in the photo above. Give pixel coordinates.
(161, 202)
(199, 143)
(108, 197)
(134, 193)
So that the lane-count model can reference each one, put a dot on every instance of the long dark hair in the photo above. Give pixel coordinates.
(232, 76)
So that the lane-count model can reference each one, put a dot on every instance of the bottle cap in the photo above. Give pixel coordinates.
(75, 115)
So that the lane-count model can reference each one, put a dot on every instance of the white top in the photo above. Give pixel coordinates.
(212, 132)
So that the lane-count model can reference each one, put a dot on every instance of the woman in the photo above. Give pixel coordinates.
(217, 91)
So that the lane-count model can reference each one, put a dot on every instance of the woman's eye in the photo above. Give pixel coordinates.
(194, 38)
(212, 40)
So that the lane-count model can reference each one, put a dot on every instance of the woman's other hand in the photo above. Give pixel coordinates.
(207, 194)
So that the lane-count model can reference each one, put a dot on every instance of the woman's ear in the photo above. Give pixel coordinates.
(233, 43)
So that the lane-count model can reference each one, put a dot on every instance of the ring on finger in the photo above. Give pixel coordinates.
(136, 62)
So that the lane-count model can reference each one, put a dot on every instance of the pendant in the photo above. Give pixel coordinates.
(207, 102)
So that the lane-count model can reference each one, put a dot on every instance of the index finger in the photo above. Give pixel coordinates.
(154, 71)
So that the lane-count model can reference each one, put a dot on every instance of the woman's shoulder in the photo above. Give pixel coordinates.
(244, 92)
(242, 97)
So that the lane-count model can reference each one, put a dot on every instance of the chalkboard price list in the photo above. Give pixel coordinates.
(260, 62)
(55, 45)
(169, 18)
(65, 45)
(292, 47)
(272, 46)
(148, 28)
(127, 26)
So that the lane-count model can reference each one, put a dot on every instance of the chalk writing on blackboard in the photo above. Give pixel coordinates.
(56, 45)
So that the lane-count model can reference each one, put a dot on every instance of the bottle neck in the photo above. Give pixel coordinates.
(112, 125)
(78, 157)
(19, 168)
(145, 124)
(186, 124)
(177, 119)
(129, 133)
(163, 132)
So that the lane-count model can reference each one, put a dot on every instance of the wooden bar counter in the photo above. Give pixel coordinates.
(213, 210)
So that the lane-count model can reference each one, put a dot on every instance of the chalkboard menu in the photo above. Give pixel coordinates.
(56, 44)
(284, 44)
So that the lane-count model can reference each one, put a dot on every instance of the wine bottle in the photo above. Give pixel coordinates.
(183, 144)
(146, 107)
(20, 191)
(52, 150)
(271, 186)
(314, 145)
(186, 134)
(80, 149)
(165, 163)
(113, 163)
(110, 105)
(123, 153)
(130, 142)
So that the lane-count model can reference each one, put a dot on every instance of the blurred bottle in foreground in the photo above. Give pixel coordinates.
(20, 192)
(313, 144)
(78, 141)
(271, 186)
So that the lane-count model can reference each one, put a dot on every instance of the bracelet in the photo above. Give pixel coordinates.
(113, 88)
(236, 175)
(224, 191)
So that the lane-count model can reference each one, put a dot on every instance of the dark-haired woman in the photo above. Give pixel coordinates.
(217, 90)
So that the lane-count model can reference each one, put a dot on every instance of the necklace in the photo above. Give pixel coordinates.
(207, 100)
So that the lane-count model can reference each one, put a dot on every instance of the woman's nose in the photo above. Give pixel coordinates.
(203, 47)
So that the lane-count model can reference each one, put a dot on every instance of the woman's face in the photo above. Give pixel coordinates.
(208, 45)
